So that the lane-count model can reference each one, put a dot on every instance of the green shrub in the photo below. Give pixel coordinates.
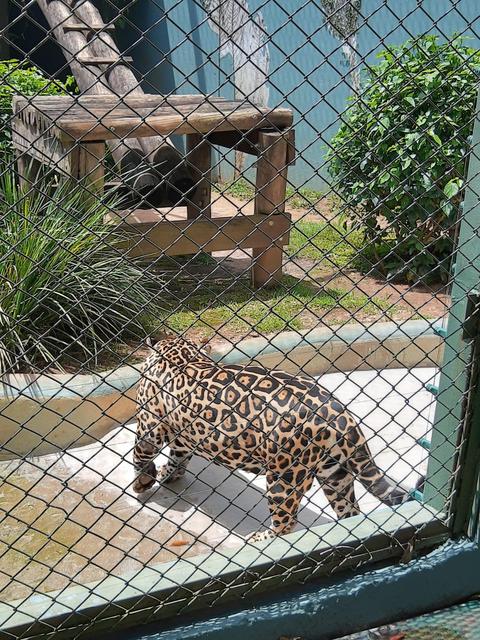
(399, 157)
(65, 287)
(20, 77)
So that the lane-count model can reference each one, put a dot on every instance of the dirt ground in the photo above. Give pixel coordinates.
(399, 302)
(406, 300)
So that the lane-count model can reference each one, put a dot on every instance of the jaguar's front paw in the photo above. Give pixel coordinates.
(261, 536)
(145, 479)
(165, 475)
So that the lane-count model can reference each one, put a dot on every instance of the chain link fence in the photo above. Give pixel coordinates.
(231, 235)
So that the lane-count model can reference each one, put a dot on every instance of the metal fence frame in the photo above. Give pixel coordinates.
(447, 514)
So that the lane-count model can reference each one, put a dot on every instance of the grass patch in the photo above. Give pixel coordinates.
(318, 241)
(242, 189)
(314, 240)
(237, 310)
(303, 198)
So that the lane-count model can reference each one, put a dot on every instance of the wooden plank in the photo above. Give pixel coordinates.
(248, 142)
(43, 146)
(271, 185)
(108, 97)
(136, 122)
(88, 113)
(199, 161)
(88, 119)
(211, 234)
(291, 151)
(88, 164)
(271, 182)
(119, 128)
(109, 101)
(244, 142)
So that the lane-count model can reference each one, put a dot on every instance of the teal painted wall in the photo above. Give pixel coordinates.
(307, 70)
(334, 607)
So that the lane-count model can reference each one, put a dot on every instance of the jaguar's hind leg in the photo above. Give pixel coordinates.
(176, 466)
(340, 491)
(284, 493)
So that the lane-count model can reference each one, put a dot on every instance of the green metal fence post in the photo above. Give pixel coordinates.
(458, 345)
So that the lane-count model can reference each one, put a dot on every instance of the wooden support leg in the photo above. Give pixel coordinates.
(199, 161)
(21, 170)
(88, 164)
(271, 185)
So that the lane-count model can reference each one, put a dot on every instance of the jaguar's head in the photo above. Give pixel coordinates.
(179, 351)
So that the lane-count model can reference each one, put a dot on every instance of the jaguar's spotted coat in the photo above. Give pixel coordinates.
(245, 417)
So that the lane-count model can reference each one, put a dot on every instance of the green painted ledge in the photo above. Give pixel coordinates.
(50, 413)
(161, 592)
(45, 414)
(382, 345)
(332, 608)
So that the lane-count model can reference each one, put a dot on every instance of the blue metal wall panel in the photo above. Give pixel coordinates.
(307, 70)
(376, 596)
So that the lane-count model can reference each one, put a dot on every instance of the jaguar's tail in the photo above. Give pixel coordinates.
(374, 479)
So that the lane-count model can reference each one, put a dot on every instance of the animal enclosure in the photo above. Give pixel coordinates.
(217, 381)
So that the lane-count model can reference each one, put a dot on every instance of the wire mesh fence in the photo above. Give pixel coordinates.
(230, 239)
(456, 623)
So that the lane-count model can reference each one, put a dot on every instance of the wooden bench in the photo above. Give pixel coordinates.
(70, 134)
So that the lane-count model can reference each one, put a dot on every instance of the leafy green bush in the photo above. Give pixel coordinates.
(20, 77)
(65, 287)
(399, 158)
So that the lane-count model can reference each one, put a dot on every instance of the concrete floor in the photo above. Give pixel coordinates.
(73, 518)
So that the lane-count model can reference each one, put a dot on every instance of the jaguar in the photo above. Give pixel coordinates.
(284, 426)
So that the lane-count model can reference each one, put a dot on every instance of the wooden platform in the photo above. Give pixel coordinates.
(69, 134)
(98, 118)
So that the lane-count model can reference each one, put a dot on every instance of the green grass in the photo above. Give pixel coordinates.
(266, 312)
(239, 310)
(312, 240)
(324, 242)
(243, 189)
(303, 198)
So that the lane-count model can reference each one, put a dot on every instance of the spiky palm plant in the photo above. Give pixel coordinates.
(65, 285)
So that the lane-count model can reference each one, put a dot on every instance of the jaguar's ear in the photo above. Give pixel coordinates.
(160, 338)
(205, 347)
